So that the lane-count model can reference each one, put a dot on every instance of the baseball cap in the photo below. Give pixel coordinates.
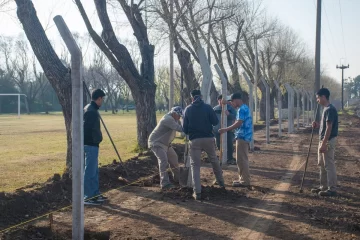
(178, 110)
(235, 96)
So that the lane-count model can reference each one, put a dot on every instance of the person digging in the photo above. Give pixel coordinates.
(243, 136)
(160, 143)
(328, 131)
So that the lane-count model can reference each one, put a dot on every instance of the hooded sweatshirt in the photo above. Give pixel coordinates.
(164, 133)
(199, 119)
(230, 118)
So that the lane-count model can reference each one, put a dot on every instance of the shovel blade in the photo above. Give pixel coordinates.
(184, 174)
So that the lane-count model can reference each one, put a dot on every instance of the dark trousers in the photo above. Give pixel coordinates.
(230, 144)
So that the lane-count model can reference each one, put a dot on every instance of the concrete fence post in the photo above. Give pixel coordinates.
(290, 92)
(76, 128)
(223, 116)
(279, 99)
(251, 105)
(267, 109)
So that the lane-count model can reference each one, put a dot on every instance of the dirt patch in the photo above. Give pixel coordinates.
(38, 199)
(145, 212)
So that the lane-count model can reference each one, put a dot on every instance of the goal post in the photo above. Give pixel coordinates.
(15, 94)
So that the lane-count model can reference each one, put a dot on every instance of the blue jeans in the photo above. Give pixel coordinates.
(91, 172)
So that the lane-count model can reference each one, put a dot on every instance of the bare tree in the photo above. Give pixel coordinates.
(141, 83)
(57, 74)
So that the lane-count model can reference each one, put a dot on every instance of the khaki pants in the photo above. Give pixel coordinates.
(165, 158)
(242, 161)
(328, 178)
(208, 145)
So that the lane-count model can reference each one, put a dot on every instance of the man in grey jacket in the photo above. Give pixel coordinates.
(231, 115)
(159, 142)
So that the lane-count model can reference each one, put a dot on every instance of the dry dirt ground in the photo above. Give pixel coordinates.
(272, 209)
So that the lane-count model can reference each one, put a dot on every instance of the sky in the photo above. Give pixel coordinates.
(340, 26)
(339, 42)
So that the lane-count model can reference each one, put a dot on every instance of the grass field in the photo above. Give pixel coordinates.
(33, 147)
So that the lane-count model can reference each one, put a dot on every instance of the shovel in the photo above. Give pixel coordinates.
(185, 176)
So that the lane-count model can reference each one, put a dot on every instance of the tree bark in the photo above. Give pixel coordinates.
(141, 84)
(57, 74)
(262, 101)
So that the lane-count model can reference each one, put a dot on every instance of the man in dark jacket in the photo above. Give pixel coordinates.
(231, 115)
(199, 119)
(92, 139)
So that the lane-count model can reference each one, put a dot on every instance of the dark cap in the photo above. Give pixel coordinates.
(195, 92)
(219, 97)
(236, 96)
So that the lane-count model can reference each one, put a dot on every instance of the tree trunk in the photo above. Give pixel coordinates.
(141, 84)
(236, 80)
(213, 95)
(57, 74)
(273, 96)
(187, 67)
(145, 114)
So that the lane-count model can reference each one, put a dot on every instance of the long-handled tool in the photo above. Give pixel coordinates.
(184, 171)
(107, 131)
(308, 154)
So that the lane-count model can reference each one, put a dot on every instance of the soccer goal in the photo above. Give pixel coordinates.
(15, 94)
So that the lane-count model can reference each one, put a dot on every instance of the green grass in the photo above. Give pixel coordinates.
(33, 147)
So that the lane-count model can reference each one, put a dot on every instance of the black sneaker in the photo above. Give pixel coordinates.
(93, 202)
(327, 193)
(101, 198)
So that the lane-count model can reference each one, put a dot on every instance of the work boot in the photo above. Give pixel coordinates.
(317, 190)
(197, 196)
(327, 193)
(231, 162)
(221, 184)
(239, 184)
(167, 186)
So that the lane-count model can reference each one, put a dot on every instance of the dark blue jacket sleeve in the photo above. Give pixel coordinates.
(232, 111)
(186, 123)
(213, 118)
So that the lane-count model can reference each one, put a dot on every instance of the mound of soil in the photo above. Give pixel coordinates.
(38, 199)
(45, 233)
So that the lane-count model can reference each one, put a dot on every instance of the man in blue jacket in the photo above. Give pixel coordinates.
(243, 135)
(199, 119)
(231, 116)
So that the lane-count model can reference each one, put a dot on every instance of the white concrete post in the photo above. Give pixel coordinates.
(207, 74)
(290, 108)
(312, 116)
(251, 105)
(267, 109)
(223, 116)
(77, 130)
(297, 108)
(19, 106)
(303, 105)
(308, 108)
(279, 99)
